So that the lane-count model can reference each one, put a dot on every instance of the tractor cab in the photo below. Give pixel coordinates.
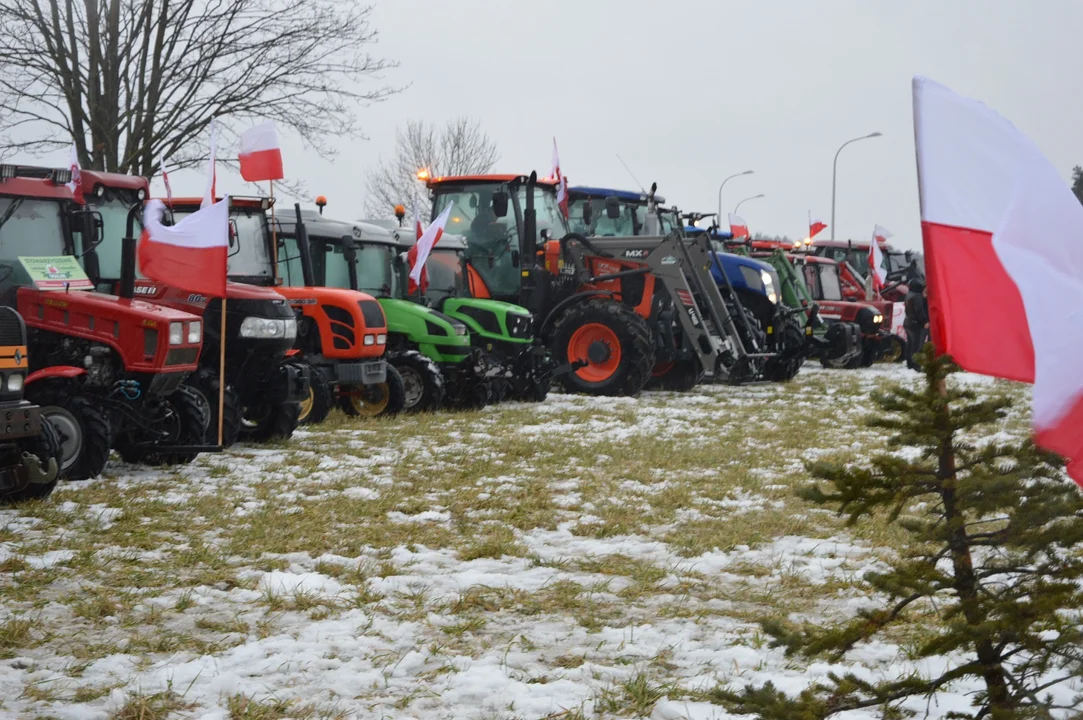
(607, 213)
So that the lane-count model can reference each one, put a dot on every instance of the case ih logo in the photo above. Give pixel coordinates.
(146, 290)
(638, 254)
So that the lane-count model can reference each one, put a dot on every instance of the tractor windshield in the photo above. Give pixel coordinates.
(29, 227)
(445, 274)
(623, 226)
(492, 242)
(823, 281)
(668, 221)
(114, 212)
(376, 269)
(550, 218)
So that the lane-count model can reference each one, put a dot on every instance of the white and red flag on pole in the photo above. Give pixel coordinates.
(165, 179)
(260, 155)
(876, 260)
(76, 184)
(190, 255)
(209, 192)
(419, 253)
(738, 226)
(1003, 240)
(815, 226)
(881, 233)
(562, 182)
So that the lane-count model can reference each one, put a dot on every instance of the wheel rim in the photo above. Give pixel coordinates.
(599, 341)
(307, 403)
(413, 385)
(70, 433)
(894, 353)
(371, 400)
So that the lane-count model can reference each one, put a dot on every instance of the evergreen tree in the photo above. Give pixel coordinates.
(992, 570)
(1077, 182)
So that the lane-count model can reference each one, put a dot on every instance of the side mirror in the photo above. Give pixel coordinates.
(348, 250)
(612, 208)
(89, 224)
(500, 204)
(588, 213)
(232, 233)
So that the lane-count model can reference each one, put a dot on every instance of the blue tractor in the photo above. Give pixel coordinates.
(750, 287)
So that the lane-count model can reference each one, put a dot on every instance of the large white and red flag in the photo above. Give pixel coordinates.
(419, 253)
(190, 255)
(738, 226)
(210, 191)
(815, 226)
(76, 183)
(1003, 239)
(260, 155)
(562, 182)
(876, 259)
(881, 233)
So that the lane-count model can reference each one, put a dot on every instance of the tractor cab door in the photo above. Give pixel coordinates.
(492, 239)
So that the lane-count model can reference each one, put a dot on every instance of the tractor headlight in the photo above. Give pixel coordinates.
(460, 329)
(769, 287)
(877, 319)
(176, 333)
(195, 332)
(290, 328)
(381, 339)
(267, 328)
(370, 340)
(15, 382)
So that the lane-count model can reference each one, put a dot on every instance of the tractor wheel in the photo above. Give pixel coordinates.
(321, 397)
(615, 343)
(895, 352)
(422, 381)
(264, 423)
(535, 390)
(205, 382)
(682, 376)
(85, 435)
(45, 447)
(476, 396)
(386, 398)
(187, 424)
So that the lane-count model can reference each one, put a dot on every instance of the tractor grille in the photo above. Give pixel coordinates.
(150, 342)
(433, 329)
(372, 313)
(485, 318)
(342, 328)
(182, 356)
(11, 328)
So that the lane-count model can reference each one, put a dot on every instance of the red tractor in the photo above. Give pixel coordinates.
(853, 259)
(106, 370)
(264, 388)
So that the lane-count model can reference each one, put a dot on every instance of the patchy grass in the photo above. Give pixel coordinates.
(582, 557)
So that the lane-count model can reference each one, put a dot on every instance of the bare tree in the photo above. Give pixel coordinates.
(133, 81)
(460, 147)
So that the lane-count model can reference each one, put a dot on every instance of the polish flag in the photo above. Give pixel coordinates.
(881, 234)
(1003, 240)
(209, 192)
(876, 262)
(190, 255)
(738, 227)
(562, 182)
(419, 253)
(260, 155)
(76, 184)
(815, 226)
(165, 179)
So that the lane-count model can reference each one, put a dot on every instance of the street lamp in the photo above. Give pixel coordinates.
(834, 173)
(746, 172)
(754, 197)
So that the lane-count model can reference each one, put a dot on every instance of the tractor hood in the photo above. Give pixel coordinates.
(746, 273)
(493, 319)
(423, 324)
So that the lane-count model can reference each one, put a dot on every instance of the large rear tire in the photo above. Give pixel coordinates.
(423, 383)
(205, 382)
(188, 425)
(321, 397)
(83, 430)
(789, 346)
(386, 398)
(46, 447)
(612, 339)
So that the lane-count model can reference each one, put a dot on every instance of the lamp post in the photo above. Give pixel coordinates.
(834, 174)
(746, 172)
(754, 197)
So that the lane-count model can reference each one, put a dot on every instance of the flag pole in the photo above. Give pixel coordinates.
(274, 234)
(222, 373)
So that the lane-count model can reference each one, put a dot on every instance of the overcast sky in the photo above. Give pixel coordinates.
(689, 92)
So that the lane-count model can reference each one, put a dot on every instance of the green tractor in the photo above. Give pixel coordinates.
(504, 331)
(429, 349)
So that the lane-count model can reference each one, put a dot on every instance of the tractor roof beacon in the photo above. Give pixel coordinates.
(431, 351)
(613, 309)
(107, 370)
(263, 388)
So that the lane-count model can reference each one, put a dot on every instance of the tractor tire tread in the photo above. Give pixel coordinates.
(640, 349)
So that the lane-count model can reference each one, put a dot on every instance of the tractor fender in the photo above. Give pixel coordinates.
(58, 371)
(567, 302)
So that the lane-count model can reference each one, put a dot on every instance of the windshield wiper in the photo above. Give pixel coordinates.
(10, 211)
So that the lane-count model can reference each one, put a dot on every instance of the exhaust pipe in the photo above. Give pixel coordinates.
(127, 255)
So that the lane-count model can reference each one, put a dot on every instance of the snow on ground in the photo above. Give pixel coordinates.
(585, 557)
